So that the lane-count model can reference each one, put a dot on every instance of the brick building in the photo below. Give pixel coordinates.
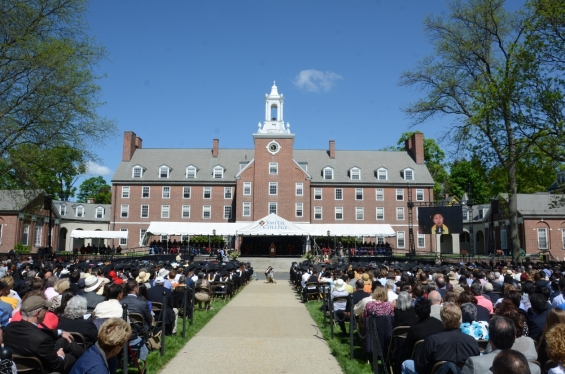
(243, 185)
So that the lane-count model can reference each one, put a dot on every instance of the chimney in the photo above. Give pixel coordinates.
(138, 142)
(215, 148)
(332, 149)
(90, 200)
(129, 145)
(415, 146)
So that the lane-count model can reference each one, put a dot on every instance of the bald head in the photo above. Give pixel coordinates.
(434, 297)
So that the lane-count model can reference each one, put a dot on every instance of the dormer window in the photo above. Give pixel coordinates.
(218, 172)
(191, 171)
(63, 210)
(137, 172)
(328, 173)
(408, 174)
(382, 174)
(99, 212)
(355, 174)
(80, 211)
(164, 171)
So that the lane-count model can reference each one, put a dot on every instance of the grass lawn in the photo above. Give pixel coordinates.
(339, 346)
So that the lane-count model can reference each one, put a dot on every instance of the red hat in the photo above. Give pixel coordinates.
(524, 277)
(113, 274)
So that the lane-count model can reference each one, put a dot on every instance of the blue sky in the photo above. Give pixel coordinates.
(180, 73)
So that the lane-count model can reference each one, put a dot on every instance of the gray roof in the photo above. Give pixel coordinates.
(16, 200)
(178, 159)
(89, 211)
(539, 204)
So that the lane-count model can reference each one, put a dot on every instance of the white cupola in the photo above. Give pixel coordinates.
(274, 121)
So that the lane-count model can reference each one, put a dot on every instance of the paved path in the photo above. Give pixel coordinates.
(264, 329)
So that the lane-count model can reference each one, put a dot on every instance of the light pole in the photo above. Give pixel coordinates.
(328, 240)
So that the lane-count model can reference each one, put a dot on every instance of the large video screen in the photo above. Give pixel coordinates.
(440, 220)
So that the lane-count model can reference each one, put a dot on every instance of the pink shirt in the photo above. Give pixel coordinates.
(484, 302)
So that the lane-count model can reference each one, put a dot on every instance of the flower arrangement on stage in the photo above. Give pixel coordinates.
(499, 252)
(309, 255)
(234, 254)
(464, 253)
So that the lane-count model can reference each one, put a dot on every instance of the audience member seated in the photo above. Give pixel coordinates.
(554, 316)
(379, 305)
(92, 283)
(155, 294)
(426, 327)
(136, 304)
(60, 286)
(73, 320)
(537, 314)
(468, 297)
(470, 326)
(404, 312)
(49, 321)
(435, 302)
(111, 308)
(555, 339)
(339, 291)
(509, 361)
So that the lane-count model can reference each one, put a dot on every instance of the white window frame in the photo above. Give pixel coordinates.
(1, 226)
(272, 206)
(379, 194)
(185, 212)
(228, 193)
(124, 211)
(338, 212)
(166, 194)
(206, 210)
(419, 194)
(358, 193)
(377, 213)
(318, 210)
(124, 241)
(99, 210)
(503, 239)
(316, 190)
(400, 239)
(143, 190)
(164, 170)
(209, 190)
(247, 188)
(80, 211)
(146, 211)
(382, 174)
(125, 192)
(299, 210)
(400, 213)
(299, 189)
(246, 209)
(421, 237)
(63, 209)
(359, 213)
(355, 174)
(25, 235)
(338, 194)
(562, 237)
(273, 187)
(328, 172)
(186, 190)
(191, 172)
(141, 235)
(400, 193)
(165, 211)
(38, 235)
(408, 173)
(137, 172)
(218, 172)
(273, 168)
(227, 209)
(544, 237)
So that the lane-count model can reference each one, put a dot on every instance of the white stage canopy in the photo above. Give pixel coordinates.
(90, 234)
(348, 229)
(194, 228)
(272, 225)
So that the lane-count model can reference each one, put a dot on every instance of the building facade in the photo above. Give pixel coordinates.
(243, 185)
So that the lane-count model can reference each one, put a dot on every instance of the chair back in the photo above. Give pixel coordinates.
(28, 364)
(79, 338)
(550, 364)
(437, 366)
(482, 344)
(339, 299)
(416, 345)
(136, 318)
(157, 307)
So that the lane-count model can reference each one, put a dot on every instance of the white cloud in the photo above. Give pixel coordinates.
(315, 80)
(92, 168)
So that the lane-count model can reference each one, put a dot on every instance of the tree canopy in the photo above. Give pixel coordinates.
(96, 188)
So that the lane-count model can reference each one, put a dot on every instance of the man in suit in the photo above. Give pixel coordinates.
(426, 327)
(26, 339)
(537, 315)
(135, 304)
(502, 334)
(155, 294)
(510, 361)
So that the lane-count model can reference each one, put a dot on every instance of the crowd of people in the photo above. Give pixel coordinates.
(44, 306)
(477, 317)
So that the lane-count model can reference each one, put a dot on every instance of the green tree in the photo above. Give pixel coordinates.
(48, 92)
(96, 188)
(482, 76)
(469, 172)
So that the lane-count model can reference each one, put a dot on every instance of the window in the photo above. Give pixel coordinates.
(125, 192)
(186, 211)
(382, 174)
(299, 209)
(141, 235)
(542, 238)
(419, 195)
(99, 212)
(380, 240)
(38, 235)
(186, 192)
(408, 174)
(355, 174)
(339, 212)
(400, 239)
(421, 240)
(145, 192)
(359, 213)
(124, 241)
(164, 238)
(191, 172)
(166, 192)
(273, 208)
(399, 213)
(207, 192)
(164, 172)
(247, 188)
(137, 172)
(207, 212)
(380, 194)
(227, 193)
(80, 211)
(481, 213)
(63, 210)
(273, 167)
(165, 211)
(465, 214)
(317, 212)
(380, 213)
(184, 238)
(25, 235)
(145, 211)
(227, 212)
(562, 236)
(124, 211)
(218, 172)
(246, 209)
(503, 240)
(273, 188)
(328, 173)
(299, 189)
(358, 194)
(317, 194)
(339, 193)
(399, 194)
